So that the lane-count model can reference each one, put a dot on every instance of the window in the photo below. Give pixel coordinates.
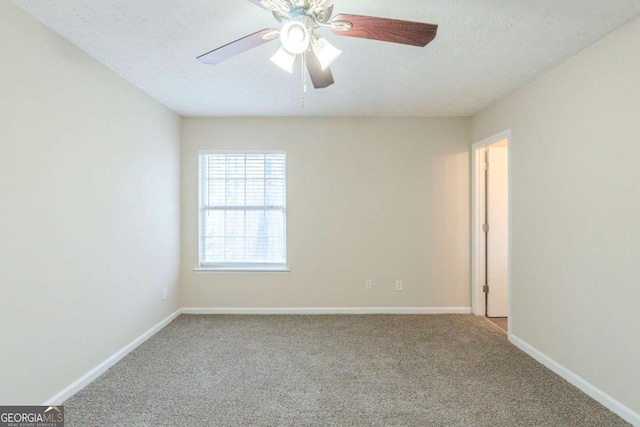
(243, 210)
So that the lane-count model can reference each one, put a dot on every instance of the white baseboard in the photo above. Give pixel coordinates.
(329, 310)
(90, 376)
(594, 392)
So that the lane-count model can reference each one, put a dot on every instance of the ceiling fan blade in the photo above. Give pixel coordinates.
(320, 78)
(232, 49)
(388, 30)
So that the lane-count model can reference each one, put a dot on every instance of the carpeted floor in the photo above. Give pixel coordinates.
(372, 370)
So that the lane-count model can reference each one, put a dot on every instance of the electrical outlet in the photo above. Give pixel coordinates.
(399, 285)
(164, 294)
(368, 285)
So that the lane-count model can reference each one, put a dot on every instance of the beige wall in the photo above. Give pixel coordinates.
(379, 199)
(89, 211)
(576, 212)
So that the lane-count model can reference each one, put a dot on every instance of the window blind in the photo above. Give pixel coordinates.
(242, 209)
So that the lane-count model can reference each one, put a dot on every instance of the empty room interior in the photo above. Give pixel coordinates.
(365, 213)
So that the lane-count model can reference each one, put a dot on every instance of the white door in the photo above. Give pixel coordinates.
(498, 234)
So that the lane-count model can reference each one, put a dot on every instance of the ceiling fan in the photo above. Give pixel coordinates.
(301, 19)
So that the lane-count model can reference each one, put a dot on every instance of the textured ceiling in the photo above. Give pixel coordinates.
(485, 49)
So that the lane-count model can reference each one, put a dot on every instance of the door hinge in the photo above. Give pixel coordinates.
(486, 166)
(485, 289)
(485, 228)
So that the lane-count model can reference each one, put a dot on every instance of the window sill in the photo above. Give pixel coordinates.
(243, 270)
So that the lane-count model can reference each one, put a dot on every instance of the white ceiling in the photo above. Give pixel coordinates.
(484, 50)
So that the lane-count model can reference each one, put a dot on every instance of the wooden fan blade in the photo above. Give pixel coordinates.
(320, 78)
(388, 30)
(232, 49)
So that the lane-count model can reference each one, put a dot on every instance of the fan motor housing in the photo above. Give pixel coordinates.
(319, 14)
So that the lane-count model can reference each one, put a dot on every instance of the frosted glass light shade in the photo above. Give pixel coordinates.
(284, 60)
(326, 52)
(295, 37)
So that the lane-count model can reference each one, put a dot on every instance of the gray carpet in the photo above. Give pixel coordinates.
(373, 370)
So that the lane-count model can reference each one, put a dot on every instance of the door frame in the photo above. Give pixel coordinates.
(477, 219)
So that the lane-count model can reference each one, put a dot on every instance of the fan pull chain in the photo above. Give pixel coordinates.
(304, 80)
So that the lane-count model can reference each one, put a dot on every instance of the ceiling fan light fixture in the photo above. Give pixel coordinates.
(301, 18)
(295, 37)
(325, 51)
(284, 60)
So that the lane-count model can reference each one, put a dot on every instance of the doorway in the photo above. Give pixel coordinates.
(491, 229)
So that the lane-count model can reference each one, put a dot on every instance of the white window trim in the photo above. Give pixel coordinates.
(250, 268)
